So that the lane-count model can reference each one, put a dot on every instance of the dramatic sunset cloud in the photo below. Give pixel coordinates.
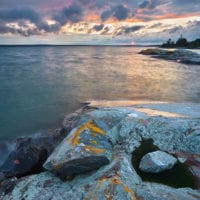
(97, 21)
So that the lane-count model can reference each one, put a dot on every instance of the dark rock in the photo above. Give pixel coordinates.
(30, 153)
(86, 164)
(156, 162)
(24, 160)
(7, 186)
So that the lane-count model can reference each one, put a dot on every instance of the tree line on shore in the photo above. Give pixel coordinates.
(181, 43)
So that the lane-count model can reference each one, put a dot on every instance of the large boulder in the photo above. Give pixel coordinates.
(86, 148)
(156, 162)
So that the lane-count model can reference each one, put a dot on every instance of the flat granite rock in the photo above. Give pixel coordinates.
(156, 162)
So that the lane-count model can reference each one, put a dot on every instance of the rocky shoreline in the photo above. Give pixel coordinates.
(91, 156)
(179, 55)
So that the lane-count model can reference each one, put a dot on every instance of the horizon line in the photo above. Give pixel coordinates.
(125, 45)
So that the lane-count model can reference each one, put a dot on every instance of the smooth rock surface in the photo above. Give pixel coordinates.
(156, 162)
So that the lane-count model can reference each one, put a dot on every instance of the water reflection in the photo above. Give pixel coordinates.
(40, 84)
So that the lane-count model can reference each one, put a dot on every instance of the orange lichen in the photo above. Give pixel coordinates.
(94, 128)
(108, 194)
(103, 178)
(94, 142)
(75, 137)
(128, 190)
(93, 149)
(93, 134)
(115, 181)
(88, 125)
(92, 197)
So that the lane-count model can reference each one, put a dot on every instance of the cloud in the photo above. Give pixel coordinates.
(119, 12)
(105, 18)
(173, 30)
(17, 30)
(124, 30)
(148, 5)
(98, 27)
(132, 29)
(72, 14)
(49, 27)
(20, 13)
(105, 15)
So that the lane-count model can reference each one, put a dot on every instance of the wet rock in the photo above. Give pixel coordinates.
(180, 55)
(86, 148)
(29, 153)
(153, 191)
(24, 160)
(156, 162)
(5, 148)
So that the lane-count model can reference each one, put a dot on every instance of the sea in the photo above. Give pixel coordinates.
(41, 84)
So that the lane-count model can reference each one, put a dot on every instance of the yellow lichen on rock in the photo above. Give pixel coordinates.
(93, 149)
(131, 193)
(116, 180)
(92, 196)
(94, 142)
(75, 137)
(88, 125)
(94, 128)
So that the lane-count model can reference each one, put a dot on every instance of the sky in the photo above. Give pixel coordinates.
(125, 22)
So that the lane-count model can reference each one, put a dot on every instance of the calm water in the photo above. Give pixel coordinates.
(38, 85)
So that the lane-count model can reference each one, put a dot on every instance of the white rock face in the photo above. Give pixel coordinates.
(156, 162)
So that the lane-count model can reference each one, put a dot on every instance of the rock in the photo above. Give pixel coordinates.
(117, 180)
(96, 153)
(29, 154)
(156, 52)
(24, 160)
(86, 148)
(153, 191)
(179, 55)
(2, 176)
(5, 149)
(196, 172)
(156, 162)
(7, 186)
